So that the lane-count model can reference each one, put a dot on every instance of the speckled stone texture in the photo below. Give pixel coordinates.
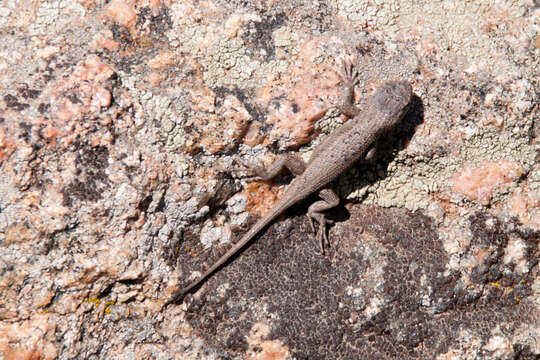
(122, 126)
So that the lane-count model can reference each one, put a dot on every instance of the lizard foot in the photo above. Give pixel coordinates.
(329, 199)
(322, 235)
(350, 78)
(349, 74)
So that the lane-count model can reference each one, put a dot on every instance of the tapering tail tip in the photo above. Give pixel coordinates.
(181, 293)
(175, 298)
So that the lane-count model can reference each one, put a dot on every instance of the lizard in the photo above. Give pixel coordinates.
(353, 141)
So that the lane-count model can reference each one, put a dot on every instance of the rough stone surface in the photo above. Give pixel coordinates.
(122, 124)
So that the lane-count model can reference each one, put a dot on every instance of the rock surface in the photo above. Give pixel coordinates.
(121, 127)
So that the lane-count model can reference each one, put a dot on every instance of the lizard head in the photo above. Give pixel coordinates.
(391, 100)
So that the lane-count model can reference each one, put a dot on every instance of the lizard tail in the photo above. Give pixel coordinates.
(276, 210)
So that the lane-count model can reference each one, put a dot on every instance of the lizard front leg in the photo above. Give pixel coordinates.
(329, 199)
(349, 75)
(292, 162)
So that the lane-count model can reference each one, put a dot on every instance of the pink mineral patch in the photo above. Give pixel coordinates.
(122, 12)
(479, 183)
(525, 205)
(295, 101)
(28, 339)
(7, 144)
(88, 84)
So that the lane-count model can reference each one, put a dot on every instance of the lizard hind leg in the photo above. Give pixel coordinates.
(329, 199)
(292, 162)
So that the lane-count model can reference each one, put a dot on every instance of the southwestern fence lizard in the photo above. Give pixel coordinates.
(353, 141)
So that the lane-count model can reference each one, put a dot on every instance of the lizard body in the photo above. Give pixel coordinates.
(343, 147)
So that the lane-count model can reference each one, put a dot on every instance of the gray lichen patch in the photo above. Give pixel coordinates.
(363, 14)
(479, 31)
(219, 45)
(410, 181)
(51, 15)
